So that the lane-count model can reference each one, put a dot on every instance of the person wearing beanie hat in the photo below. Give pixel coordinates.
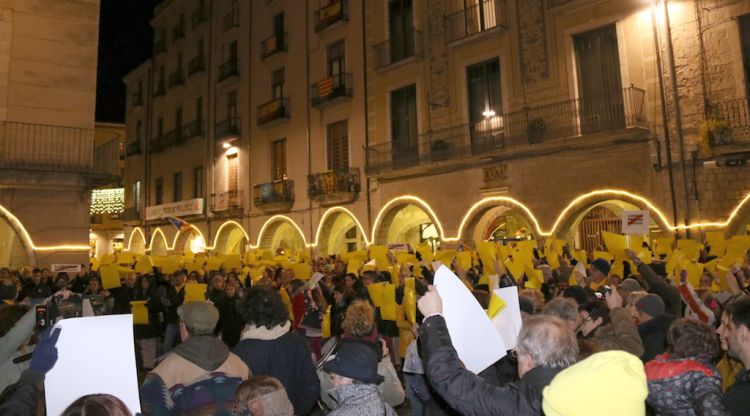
(354, 373)
(611, 383)
(630, 285)
(608, 325)
(200, 375)
(599, 273)
(652, 325)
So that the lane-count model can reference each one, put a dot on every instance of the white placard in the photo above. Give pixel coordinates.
(95, 355)
(67, 268)
(473, 335)
(175, 209)
(508, 321)
(635, 222)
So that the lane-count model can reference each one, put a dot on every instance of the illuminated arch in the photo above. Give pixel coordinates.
(479, 211)
(384, 221)
(137, 241)
(281, 229)
(230, 238)
(158, 245)
(13, 243)
(738, 219)
(28, 243)
(584, 203)
(333, 225)
(184, 240)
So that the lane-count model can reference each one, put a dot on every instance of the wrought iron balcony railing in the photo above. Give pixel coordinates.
(192, 129)
(277, 109)
(336, 186)
(334, 12)
(176, 78)
(131, 214)
(167, 139)
(197, 64)
(331, 88)
(46, 147)
(399, 49)
(276, 196)
(273, 44)
(133, 148)
(227, 128)
(728, 123)
(613, 111)
(226, 201)
(228, 69)
(481, 17)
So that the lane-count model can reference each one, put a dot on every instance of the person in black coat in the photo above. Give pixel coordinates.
(268, 347)
(653, 325)
(545, 347)
(734, 333)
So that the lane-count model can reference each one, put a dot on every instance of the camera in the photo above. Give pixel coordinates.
(58, 308)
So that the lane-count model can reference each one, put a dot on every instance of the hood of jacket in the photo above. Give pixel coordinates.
(355, 394)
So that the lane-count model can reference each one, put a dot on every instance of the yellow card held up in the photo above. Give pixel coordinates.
(195, 292)
(214, 263)
(302, 271)
(616, 243)
(663, 246)
(410, 305)
(603, 255)
(144, 265)
(388, 303)
(325, 326)
(379, 252)
(354, 265)
(171, 265)
(375, 291)
(232, 261)
(496, 305)
(690, 248)
(717, 243)
(125, 257)
(140, 312)
(463, 258)
(110, 274)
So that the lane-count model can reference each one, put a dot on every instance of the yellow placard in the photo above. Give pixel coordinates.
(487, 252)
(496, 305)
(195, 292)
(125, 257)
(353, 266)
(534, 276)
(406, 258)
(580, 256)
(503, 252)
(694, 271)
(140, 312)
(379, 252)
(388, 305)
(214, 263)
(193, 267)
(302, 271)
(738, 245)
(463, 258)
(515, 267)
(410, 304)
(663, 246)
(603, 255)
(232, 261)
(95, 264)
(673, 261)
(375, 291)
(171, 265)
(110, 276)
(616, 243)
(410, 283)
(445, 256)
(325, 326)
(691, 249)
(717, 243)
(144, 265)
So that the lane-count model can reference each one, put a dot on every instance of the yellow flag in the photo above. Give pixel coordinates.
(325, 326)
(140, 312)
(496, 305)
(110, 276)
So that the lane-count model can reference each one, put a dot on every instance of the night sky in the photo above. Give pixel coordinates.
(124, 42)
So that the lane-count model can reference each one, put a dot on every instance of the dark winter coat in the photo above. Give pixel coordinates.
(654, 336)
(468, 393)
(737, 399)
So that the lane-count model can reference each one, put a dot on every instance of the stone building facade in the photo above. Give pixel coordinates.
(480, 119)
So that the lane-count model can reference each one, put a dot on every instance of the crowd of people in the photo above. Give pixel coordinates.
(597, 338)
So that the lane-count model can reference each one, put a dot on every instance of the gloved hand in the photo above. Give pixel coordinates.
(45, 353)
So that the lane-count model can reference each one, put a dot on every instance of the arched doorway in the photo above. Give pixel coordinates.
(498, 223)
(339, 232)
(137, 241)
(586, 226)
(188, 242)
(158, 244)
(281, 236)
(407, 223)
(230, 239)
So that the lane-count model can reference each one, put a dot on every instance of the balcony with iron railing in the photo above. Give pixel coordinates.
(230, 20)
(131, 214)
(335, 11)
(197, 64)
(273, 111)
(273, 197)
(728, 122)
(228, 69)
(42, 147)
(334, 187)
(164, 141)
(133, 148)
(272, 45)
(192, 129)
(160, 45)
(331, 89)
(472, 20)
(159, 89)
(397, 50)
(176, 78)
(610, 112)
(227, 204)
(229, 127)
(199, 15)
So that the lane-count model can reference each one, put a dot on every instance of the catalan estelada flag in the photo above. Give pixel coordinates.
(180, 224)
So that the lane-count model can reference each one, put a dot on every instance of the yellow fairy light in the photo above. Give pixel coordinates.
(342, 210)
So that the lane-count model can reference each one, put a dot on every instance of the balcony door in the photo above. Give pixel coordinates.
(233, 174)
(401, 29)
(485, 106)
(599, 83)
(404, 125)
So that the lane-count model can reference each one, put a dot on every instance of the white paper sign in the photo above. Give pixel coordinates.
(95, 355)
(508, 321)
(635, 222)
(68, 268)
(475, 339)
(175, 209)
